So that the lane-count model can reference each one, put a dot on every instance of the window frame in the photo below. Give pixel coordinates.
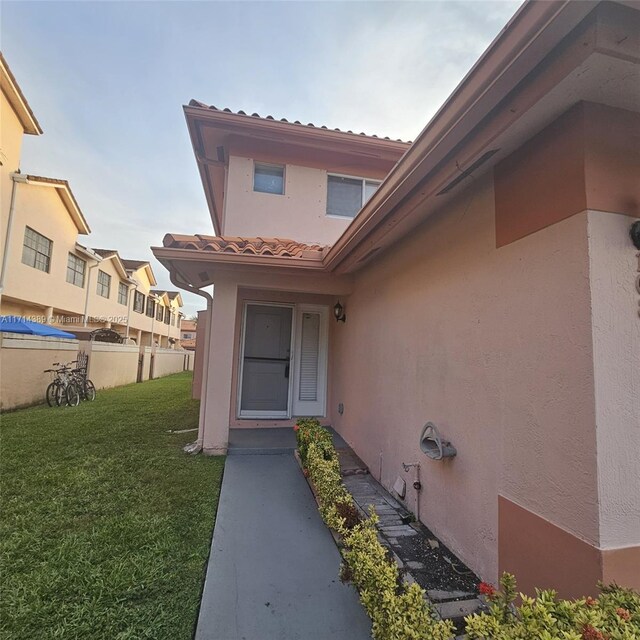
(151, 305)
(100, 285)
(75, 272)
(35, 250)
(159, 312)
(363, 181)
(126, 293)
(138, 295)
(256, 164)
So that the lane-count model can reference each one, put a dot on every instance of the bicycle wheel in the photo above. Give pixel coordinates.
(53, 394)
(72, 395)
(89, 391)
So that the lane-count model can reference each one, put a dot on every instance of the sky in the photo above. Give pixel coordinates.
(107, 81)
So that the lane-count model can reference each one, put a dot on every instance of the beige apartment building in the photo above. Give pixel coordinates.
(49, 274)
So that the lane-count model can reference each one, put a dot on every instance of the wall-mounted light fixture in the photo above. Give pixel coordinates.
(634, 234)
(338, 312)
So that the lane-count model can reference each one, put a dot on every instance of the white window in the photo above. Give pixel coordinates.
(104, 284)
(268, 178)
(36, 250)
(76, 268)
(123, 293)
(138, 302)
(347, 195)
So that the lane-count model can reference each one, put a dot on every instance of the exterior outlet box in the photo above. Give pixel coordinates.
(400, 487)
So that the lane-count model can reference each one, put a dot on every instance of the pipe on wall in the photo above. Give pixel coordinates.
(181, 284)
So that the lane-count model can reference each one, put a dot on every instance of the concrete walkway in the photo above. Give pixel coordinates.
(273, 569)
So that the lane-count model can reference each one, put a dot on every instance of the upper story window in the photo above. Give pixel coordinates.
(76, 268)
(167, 316)
(268, 178)
(173, 319)
(347, 195)
(123, 291)
(104, 284)
(159, 313)
(187, 335)
(151, 307)
(138, 302)
(36, 250)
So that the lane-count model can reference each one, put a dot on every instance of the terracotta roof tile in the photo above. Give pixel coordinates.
(202, 105)
(278, 247)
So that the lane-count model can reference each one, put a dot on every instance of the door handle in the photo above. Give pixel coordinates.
(286, 371)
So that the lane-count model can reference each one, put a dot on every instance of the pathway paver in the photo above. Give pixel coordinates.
(273, 569)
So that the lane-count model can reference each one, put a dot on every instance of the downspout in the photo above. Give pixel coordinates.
(85, 316)
(130, 288)
(16, 178)
(196, 447)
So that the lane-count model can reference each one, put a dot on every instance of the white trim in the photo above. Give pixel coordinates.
(323, 359)
(279, 415)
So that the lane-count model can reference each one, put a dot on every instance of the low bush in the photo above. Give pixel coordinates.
(615, 615)
(398, 611)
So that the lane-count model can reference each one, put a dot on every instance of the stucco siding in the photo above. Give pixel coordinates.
(615, 265)
(299, 214)
(493, 346)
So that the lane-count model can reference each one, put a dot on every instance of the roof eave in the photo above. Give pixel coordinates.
(230, 259)
(17, 100)
(535, 29)
(67, 197)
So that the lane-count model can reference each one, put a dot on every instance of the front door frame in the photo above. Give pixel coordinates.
(273, 415)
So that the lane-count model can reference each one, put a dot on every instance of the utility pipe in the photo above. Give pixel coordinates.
(85, 316)
(16, 177)
(132, 286)
(181, 284)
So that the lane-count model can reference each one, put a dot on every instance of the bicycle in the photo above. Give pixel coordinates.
(85, 386)
(63, 389)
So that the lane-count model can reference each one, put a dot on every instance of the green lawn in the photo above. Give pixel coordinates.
(105, 523)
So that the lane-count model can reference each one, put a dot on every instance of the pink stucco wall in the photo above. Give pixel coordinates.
(495, 347)
(614, 267)
(300, 213)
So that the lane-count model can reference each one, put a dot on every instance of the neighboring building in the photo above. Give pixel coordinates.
(188, 334)
(47, 274)
(488, 286)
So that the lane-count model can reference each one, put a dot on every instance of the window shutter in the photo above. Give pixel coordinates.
(309, 356)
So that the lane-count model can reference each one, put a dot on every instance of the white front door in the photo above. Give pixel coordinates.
(283, 367)
(310, 361)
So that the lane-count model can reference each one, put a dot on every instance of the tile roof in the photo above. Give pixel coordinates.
(105, 253)
(134, 265)
(172, 294)
(202, 105)
(278, 247)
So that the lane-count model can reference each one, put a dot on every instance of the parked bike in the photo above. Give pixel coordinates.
(69, 385)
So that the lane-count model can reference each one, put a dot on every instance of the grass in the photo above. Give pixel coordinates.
(106, 524)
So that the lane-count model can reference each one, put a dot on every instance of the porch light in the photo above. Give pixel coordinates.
(338, 312)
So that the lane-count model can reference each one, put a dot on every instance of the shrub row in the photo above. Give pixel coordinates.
(399, 610)
(615, 615)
